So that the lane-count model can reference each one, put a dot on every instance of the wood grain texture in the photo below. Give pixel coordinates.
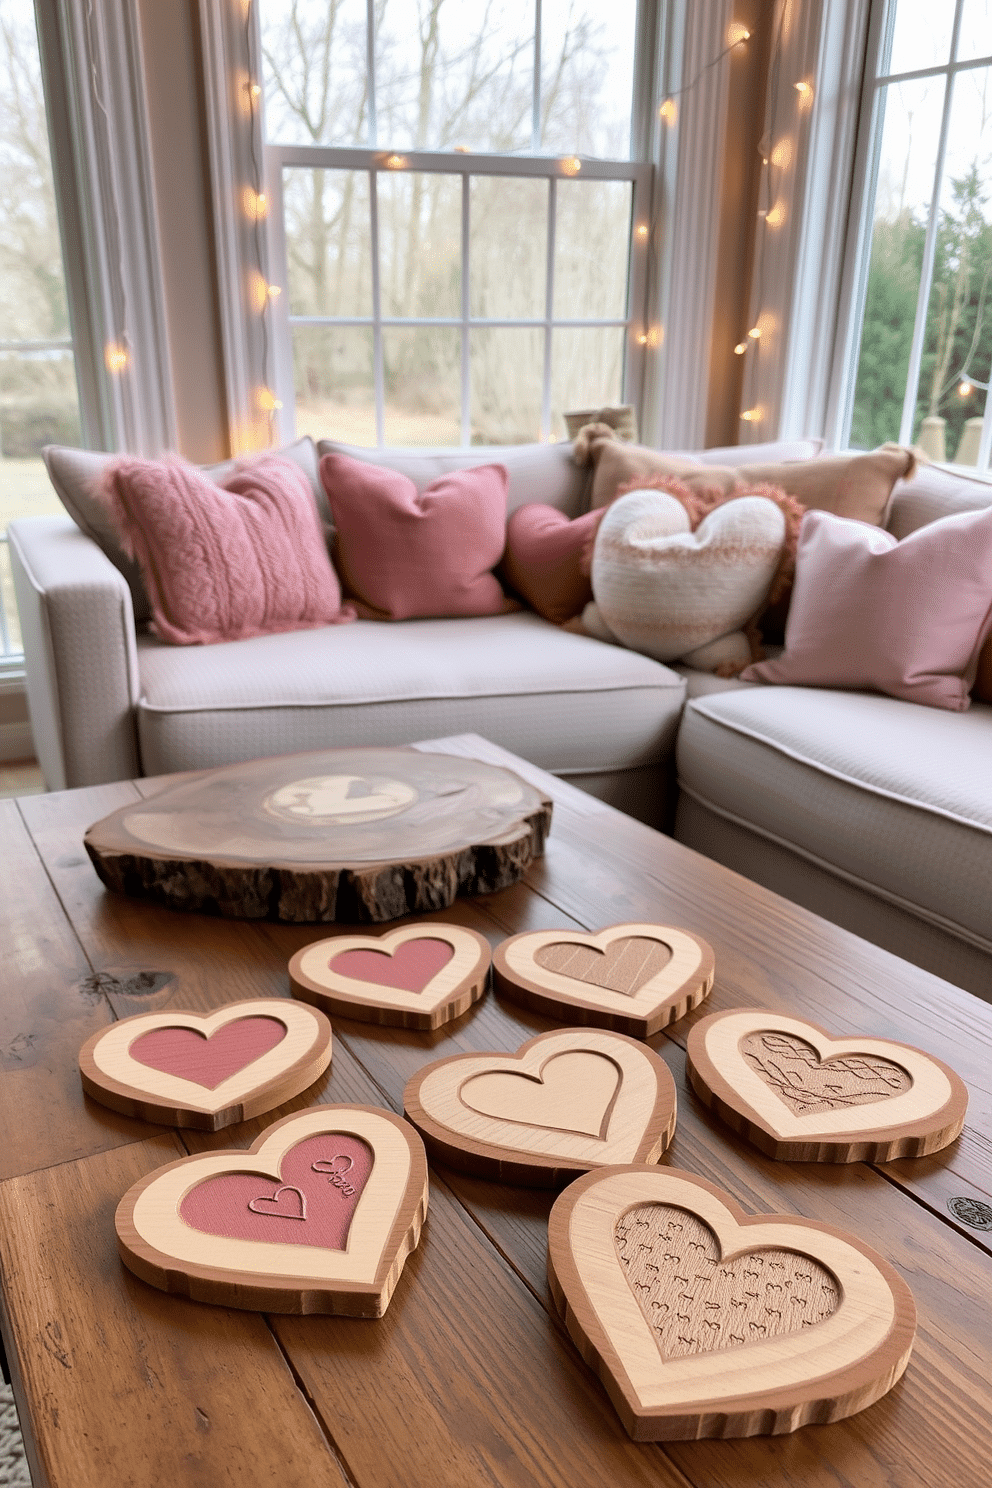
(799, 1093)
(635, 978)
(767, 1322)
(111, 1071)
(161, 1244)
(316, 977)
(562, 1103)
(354, 835)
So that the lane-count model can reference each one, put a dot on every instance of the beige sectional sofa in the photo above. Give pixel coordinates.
(874, 812)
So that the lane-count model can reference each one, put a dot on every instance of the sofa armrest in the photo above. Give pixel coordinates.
(77, 625)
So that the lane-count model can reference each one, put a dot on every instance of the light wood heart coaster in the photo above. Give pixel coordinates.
(207, 1072)
(419, 976)
(634, 978)
(318, 1215)
(703, 1321)
(566, 1101)
(798, 1093)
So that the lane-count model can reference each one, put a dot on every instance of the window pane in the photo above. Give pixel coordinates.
(314, 60)
(586, 372)
(420, 243)
(905, 183)
(976, 30)
(335, 383)
(508, 248)
(507, 368)
(922, 34)
(592, 236)
(38, 398)
(959, 315)
(587, 76)
(423, 374)
(328, 242)
(450, 75)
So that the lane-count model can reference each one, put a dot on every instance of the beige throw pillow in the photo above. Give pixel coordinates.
(857, 486)
(619, 464)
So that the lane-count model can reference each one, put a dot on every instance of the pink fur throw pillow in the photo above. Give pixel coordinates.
(224, 562)
(905, 618)
(404, 553)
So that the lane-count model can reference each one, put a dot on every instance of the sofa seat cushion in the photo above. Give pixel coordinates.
(567, 703)
(876, 790)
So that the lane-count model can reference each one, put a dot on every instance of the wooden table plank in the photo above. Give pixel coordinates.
(127, 1385)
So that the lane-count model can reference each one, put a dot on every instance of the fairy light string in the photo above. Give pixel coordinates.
(256, 208)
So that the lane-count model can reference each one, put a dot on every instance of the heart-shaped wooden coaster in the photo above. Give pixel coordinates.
(634, 978)
(798, 1093)
(207, 1072)
(419, 976)
(318, 1215)
(704, 1321)
(566, 1101)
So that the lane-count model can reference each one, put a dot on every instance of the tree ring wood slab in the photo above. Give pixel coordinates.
(207, 1072)
(798, 1093)
(704, 1321)
(635, 978)
(419, 976)
(352, 835)
(318, 1215)
(566, 1101)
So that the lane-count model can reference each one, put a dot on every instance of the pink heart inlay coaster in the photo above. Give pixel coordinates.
(702, 1320)
(318, 1215)
(419, 976)
(798, 1093)
(207, 1071)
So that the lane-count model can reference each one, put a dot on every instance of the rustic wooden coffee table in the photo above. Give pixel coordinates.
(469, 1380)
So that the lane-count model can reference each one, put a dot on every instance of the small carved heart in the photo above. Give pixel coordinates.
(811, 1085)
(275, 1208)
(625, 966)
(574, 1091)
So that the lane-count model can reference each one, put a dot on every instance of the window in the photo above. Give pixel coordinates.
(38, 397)
(923, 298)
(457, 226)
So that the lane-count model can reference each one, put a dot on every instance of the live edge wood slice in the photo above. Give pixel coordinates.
(352, 835)
(635, 978)
(799, 1093)
(419, 976)
(207, 1072)
(566, 1101)
(317, 1216)
(704, 1321)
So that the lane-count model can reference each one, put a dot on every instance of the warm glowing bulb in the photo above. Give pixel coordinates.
(255, 90)
(751, 415)
(736, 33)
(782, 154)
(776, 216)
(267, 400)
(255, 203)
(552, 438)
(755, 333)
(114, 357)
(965, 388)
(642, 230)
(642, 340)
(395, 162)
(571, 165)
(273, 291)
(740, 348)
(805, 91)
(668, 111)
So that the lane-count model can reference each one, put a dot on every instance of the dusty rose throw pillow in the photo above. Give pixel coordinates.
(404, 553)
(905, 618)
(547, 559)
(224, 562)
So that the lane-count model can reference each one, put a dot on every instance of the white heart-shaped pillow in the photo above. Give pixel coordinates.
(665, 590)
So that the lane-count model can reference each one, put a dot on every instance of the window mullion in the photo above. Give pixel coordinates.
(535, 121)
(466, 305)
(370, 71)
(548, 307)
(377, 357)
(929, 252)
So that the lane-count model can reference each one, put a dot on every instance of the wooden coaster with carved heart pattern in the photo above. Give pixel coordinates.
(207, 1072)
(704, 1321)
(796, 1092)
(318, 1215)
(565, 1102)
(634, 978)
(419, 976)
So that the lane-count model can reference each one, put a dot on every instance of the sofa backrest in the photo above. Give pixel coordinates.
(932, 493)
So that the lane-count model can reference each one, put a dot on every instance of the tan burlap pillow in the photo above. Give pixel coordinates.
(621, 464)
(857, 486)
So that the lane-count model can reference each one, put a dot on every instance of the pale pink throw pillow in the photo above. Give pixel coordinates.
(905, 618)
(224, 562)
(404, 553)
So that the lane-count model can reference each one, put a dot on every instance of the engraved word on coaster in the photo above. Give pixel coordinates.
(419, 976)
(634, 978)
(207, 1072)
(566, 1101)
(798, 1093)
(318, 1215)
(704, 1321)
